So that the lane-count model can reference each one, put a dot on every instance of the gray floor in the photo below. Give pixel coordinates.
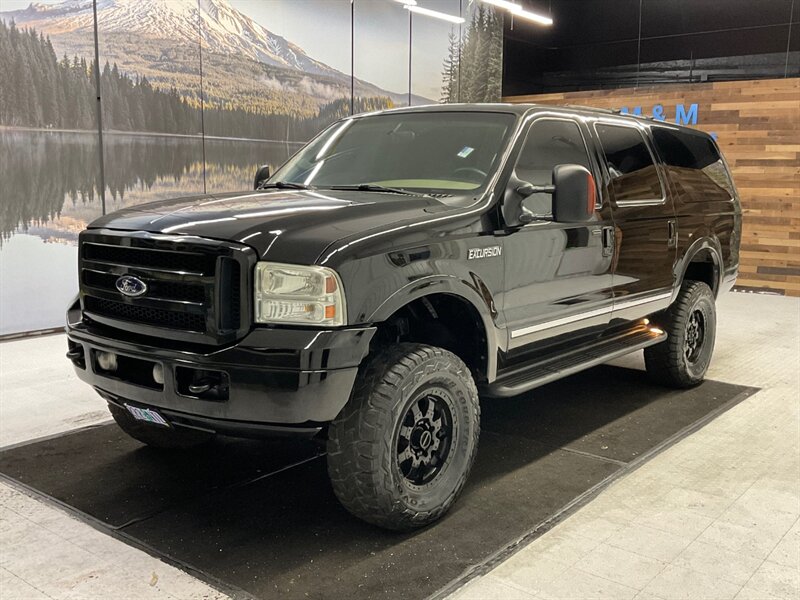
(715, 516)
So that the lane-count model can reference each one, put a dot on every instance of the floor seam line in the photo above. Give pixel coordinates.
(596, 457)
(584, 571)
(26, 582)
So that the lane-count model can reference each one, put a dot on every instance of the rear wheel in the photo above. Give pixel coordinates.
(691, 325)
(400, 451)
(158, 436)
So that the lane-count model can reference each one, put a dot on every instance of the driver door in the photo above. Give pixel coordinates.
(558, 275)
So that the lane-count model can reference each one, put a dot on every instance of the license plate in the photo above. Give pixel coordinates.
(147, 414)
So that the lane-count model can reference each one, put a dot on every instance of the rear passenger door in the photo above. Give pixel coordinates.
(645, 228)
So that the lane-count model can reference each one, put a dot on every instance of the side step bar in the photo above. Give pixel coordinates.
(551, 368)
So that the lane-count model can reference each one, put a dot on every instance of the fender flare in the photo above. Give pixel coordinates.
(453, 286)
(700, 245)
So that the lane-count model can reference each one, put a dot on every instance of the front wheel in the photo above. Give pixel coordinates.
(691, 326)
(400, 451)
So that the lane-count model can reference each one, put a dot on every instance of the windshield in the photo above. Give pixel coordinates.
(450, 153)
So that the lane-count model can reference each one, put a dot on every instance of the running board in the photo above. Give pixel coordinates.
(555, 367)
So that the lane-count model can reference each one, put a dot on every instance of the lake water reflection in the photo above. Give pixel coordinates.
(49, 192)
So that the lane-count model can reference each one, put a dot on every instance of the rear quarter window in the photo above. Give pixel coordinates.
(694, 165)
(634, 177)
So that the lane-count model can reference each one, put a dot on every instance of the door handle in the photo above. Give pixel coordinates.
(672, 230)
(608, 241)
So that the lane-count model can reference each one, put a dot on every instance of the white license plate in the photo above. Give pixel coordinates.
(147, 414)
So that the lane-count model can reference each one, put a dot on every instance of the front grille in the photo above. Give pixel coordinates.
(166, 290)
(144, 257)
(146, 315)
(194, 287)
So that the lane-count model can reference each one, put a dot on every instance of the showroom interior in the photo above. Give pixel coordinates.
(593, 479)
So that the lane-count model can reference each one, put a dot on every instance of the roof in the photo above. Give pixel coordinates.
(530, 108)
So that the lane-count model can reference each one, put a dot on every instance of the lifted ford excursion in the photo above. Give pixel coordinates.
(398, 266)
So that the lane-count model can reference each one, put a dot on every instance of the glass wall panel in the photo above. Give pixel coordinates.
(435, 54)
(49, 160)
(150, 93)
(583, 46)
(273, 70)
(380, 54)
(593, 45)
(685, 41)
(481, 66)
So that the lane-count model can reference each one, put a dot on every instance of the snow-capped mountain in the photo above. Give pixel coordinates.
(223, 29)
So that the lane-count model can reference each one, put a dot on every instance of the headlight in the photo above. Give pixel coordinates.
(298, 295)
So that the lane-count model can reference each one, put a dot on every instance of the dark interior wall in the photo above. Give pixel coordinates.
(595, 44)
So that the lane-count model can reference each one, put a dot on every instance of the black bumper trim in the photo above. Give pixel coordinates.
(245, 429)
(278, 377)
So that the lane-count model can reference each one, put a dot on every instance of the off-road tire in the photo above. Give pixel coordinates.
(364, 460)
(667, 363)
(157, 436)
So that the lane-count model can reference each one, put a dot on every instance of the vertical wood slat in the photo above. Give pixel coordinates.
(758, 129)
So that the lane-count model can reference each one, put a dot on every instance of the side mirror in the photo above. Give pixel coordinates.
(516, 192)
(262, 174)
(573, 194)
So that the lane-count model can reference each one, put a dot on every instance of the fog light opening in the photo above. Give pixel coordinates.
(202, 384)
(107, 361)
(158, 374)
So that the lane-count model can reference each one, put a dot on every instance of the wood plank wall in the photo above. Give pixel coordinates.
(758, 129)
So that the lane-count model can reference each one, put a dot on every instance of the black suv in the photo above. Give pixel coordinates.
(396, 267)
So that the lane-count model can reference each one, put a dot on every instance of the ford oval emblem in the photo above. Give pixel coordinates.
(131, 286)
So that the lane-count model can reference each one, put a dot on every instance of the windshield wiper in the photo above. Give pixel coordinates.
(283, 185)
(369, 187)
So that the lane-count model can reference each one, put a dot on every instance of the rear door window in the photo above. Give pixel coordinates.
(694, 165)
(634, 177)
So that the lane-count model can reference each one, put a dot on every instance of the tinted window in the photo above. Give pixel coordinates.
(694, 163)
(549, 143)
(633, 174)
(448, 152)
(688, 150)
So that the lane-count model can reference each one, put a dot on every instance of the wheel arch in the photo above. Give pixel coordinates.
(426, 297)
(702, 261)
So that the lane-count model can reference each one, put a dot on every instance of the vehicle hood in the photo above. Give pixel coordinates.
(292, 226)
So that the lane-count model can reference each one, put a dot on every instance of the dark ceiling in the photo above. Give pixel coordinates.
(597, 43)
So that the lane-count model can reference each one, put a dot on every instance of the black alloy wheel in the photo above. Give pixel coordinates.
(425, 437)
(695, 333)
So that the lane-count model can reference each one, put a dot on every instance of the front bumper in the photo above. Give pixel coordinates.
(286, 379)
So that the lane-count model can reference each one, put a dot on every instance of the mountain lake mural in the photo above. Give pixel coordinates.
(195, 94)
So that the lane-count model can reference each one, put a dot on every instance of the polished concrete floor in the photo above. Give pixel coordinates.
(715, 516)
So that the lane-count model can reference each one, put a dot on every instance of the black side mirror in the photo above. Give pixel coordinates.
(516, 192)
(262, 174)
(574, 194)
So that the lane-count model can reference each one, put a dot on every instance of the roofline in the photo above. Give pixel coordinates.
(526, 109)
